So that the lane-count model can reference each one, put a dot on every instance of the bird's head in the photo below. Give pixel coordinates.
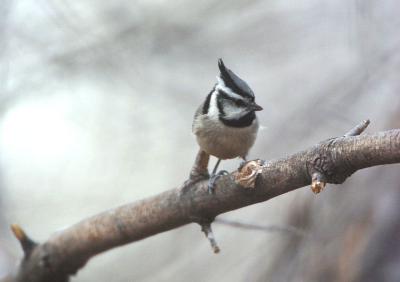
(234, 97)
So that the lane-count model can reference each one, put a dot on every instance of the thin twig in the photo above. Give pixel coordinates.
(206, 228)
(357, 130)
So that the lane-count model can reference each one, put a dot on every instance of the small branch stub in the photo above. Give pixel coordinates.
(318, 179)
(27, 243)
(318, 182)
(247, 174)
(198, 172)
(358, 129)
(200, 166)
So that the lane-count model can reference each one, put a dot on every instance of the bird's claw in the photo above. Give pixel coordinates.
(213, 179)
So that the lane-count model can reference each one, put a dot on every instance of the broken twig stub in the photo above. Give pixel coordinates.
(247, 174)
(318, 182)
(27, 243)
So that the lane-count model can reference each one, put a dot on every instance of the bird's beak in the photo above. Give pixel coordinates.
(254, 107)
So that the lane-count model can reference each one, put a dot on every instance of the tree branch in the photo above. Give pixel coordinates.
(67, 251)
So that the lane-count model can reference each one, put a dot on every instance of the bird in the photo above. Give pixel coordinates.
(225, 124)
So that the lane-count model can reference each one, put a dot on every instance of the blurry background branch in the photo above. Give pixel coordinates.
(258, 227)
(68, 250)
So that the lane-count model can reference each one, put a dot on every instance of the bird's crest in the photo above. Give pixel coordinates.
(234, 82)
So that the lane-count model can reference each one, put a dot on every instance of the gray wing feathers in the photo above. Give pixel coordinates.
(197, 114)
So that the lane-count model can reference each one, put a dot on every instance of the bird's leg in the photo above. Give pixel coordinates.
(214, 177)
(243, 162)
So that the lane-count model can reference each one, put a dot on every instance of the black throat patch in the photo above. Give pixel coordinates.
(206, 104)
(243, 121)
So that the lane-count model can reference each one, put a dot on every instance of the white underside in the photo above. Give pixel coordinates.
(222, 141)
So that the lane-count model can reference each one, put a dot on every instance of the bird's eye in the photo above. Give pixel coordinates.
(239, 103)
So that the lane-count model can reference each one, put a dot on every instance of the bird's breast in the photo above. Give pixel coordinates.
(222, 141)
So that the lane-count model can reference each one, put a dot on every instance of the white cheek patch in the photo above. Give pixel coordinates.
(233, 112)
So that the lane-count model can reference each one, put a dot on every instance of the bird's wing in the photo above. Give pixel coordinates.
(197, 114)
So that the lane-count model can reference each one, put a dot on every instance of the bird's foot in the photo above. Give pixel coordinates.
(213, 179)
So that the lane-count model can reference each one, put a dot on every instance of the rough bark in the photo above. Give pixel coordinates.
(333, 160)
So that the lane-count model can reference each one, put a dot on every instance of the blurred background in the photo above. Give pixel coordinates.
(97, 97)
